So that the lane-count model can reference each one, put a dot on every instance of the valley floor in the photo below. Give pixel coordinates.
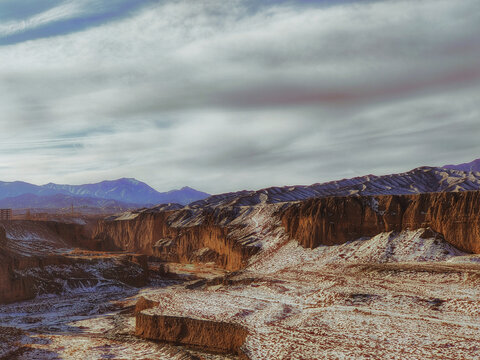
(411, 310)
(87, 323)
(378, 311)
(407, 295)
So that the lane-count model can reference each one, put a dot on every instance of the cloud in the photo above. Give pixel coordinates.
(54, 18)
(224, 96)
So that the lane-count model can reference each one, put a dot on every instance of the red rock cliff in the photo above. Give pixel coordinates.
(12, 286)
(177, 236)
(337, 220)
(16, 257)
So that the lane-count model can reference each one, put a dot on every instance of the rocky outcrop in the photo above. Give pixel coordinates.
(336, 220)
(73, 235)
(13, 287)
(34, 260)
(178, 236)
(3, 237)
(24, 277)
(144, 303)
(128, 269)
(213, 336)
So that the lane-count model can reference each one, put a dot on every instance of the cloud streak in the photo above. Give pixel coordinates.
(60, 17)
(224, 96)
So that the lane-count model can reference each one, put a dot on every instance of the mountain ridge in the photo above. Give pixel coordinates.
(126, 192)
(130, 192)
(423, 179)
(472, 166)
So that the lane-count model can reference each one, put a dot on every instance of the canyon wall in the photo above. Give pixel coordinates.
(21, 277)
(33, 258)
(12, 287)
(73, 235)
(336, 220)
(177, 236)
(221, 234)
(76, 235)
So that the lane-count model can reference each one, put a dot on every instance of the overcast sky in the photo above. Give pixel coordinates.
(229, 95)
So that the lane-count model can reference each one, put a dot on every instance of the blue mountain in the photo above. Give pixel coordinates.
(468, 167)
(124, 191)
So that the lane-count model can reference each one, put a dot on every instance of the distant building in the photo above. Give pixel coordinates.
(5, 214)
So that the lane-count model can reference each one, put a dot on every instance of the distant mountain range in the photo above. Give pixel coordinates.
(420, 180)
(113, 195)
(471, 166)
(127, 193)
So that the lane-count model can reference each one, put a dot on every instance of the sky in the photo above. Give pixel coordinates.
(239, 94)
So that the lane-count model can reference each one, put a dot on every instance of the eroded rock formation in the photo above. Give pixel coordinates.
(221, 234)
(3, 236)
(214, 336)
(336, 220)
(37, 257)
(13, 287)
(178, 236)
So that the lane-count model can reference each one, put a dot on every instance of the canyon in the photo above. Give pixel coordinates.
(330, 221)
(342, 269)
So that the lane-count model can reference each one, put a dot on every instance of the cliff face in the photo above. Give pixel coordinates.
(23, 277)
(56, 234)
(13, 287)
(228, 235)
(74, 234)
(177, 236)
(336, 220)
(214, 336)
(3, 236)
(33, 260)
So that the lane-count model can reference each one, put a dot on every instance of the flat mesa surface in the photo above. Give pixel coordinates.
(410, 310)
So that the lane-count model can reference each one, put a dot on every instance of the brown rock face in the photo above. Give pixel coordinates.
(75, 234)
(14, 289)
(144, 303)
(25, 269)
(16, 286)
(123, 269)
(336, 220)
(12, 286)
(3, 237)
(220, 337)
(175, 236)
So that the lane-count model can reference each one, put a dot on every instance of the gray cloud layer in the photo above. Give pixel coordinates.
(222, 96)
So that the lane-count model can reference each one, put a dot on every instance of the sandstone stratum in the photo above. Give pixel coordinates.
(223, 235)
(329, 221)
(389, 263)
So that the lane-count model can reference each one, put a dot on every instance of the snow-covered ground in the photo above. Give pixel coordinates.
(31, 238)
(86, 323)
(405, 295)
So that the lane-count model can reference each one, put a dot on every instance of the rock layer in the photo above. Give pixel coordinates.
(214, 336)
(37, 257)
(178, 236)
(336, 220)
(13, 287)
